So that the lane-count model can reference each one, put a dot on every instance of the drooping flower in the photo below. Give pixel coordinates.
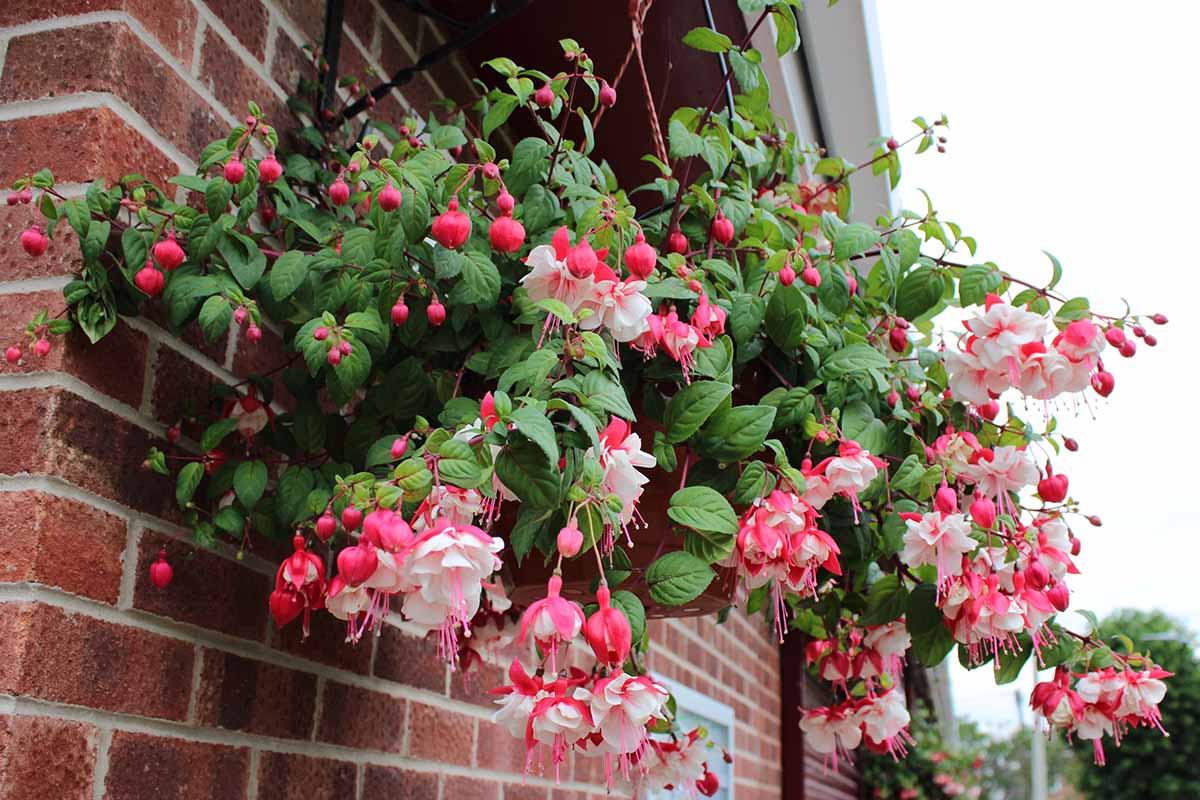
(832, 731)
(938, 539)
(884, 719)
(299, 586)
(621, 456)
(553, 621)
(621, 705)
(850, 471)
(618, 306)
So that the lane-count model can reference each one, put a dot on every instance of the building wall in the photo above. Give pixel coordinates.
(112, 689)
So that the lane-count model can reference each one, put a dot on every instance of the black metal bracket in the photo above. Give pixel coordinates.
(467, 31)
(331, 49)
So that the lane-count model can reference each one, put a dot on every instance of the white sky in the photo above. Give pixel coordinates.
(1073, 128)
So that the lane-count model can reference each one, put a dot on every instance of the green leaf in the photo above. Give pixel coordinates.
(785, 322)
(214, 434)
(291, 493)
(1011, 664)
(479, 283)
(702, 508)
(187, 482)
(932, 647)
(230, 520)
(684, 143)
(736, 433)
(498, 113)
(522, 466)
(605, 394)
(414, 213)
(678, 578)
(786, 37)
(536, 427)
(854, 358)
(920, 291)
(975, 282)
(505, 66)
(217, 196)
(1056, 268)
(853, 240)
(215, 316)
(887, 600)
(250, 482)
(245, 260)
(708, 40)
(691, 406)
(135, 248)
(923, 614)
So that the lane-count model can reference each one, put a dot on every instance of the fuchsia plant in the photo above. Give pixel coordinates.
(493, 358)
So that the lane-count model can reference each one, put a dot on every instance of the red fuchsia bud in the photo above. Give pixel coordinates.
(399, 447)
(1095, 521)
(436, 313)
(902, 323)
(26, 196)
(892, 144)
(346, 347)
(160, 571)
(1103, 382)
(414, 142)
(898, 339)
(822, 436)
(983, 511)
(13, 354)
(267, 213)
(41, 348)
(853, 283)
(1059, 596)
(253, 333)
(33, 241)
(912, 392)
(491, 171)
(13, 198)
(640, 258)
(285, 606)
(505, 202)
(544, 96)
(1159, 319)
(149, 279)
(1115, 336)
(989, 410)
(709, 785)
(1138, 331)
(168, 253)
(404, 131)
(677, 242)
(351, 518)
(173, 434)
(1052, 488)
(946, 500)
(399, 313)
(339, 192)
(893, 398)
(334, 356)
(390, 198)
(1128, 349)
(1036, 575)
(1150, 340)
(581, 260)
(452, 227)
(608, 95)
(326, 525)
(357, 564)
(506, 234)
(787, 276)
(235, 170)
(607, 631)
(321, 333)
(722, 229)
(1070, 444)
(270, 170)
(456, 151)
(811, 276)
(570, 541)
(1076, 545)
(239, 315)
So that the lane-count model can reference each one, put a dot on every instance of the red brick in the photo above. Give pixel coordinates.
(42, 757)
(562, 794)
(247, 20)
(242, 694)
(171, 22)
(54, 432)
(74, 353)
(475, 685)
(409, 660)
(325, 644)
(190, 334)
(360, 718)
(181, 388)
(264, 357)
(142, 766)
(290, 63)
(309, 15)
(284, 775)
(41, 541)
(109, 57)
(436, 734)
(523, 791)
(387, 783)
(70, 658)
(101, 145)
(206, 590)
(498, 750)
(360, 18)
(62, 258)
(471, 789)
(233, 82)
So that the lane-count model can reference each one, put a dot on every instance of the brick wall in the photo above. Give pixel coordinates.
(112, 689)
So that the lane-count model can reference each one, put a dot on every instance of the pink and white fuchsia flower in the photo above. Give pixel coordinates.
(850, 471)
(832, 731)
(552, 622)
(938, 539)
(446, 566)
(550, 279)
(617, 305)
(674, 764)
(621, 456)
(884, 719)
(621, 706)
(560, 720)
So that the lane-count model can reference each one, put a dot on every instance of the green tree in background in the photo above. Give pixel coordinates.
(1004, 773)
(1145, 766)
